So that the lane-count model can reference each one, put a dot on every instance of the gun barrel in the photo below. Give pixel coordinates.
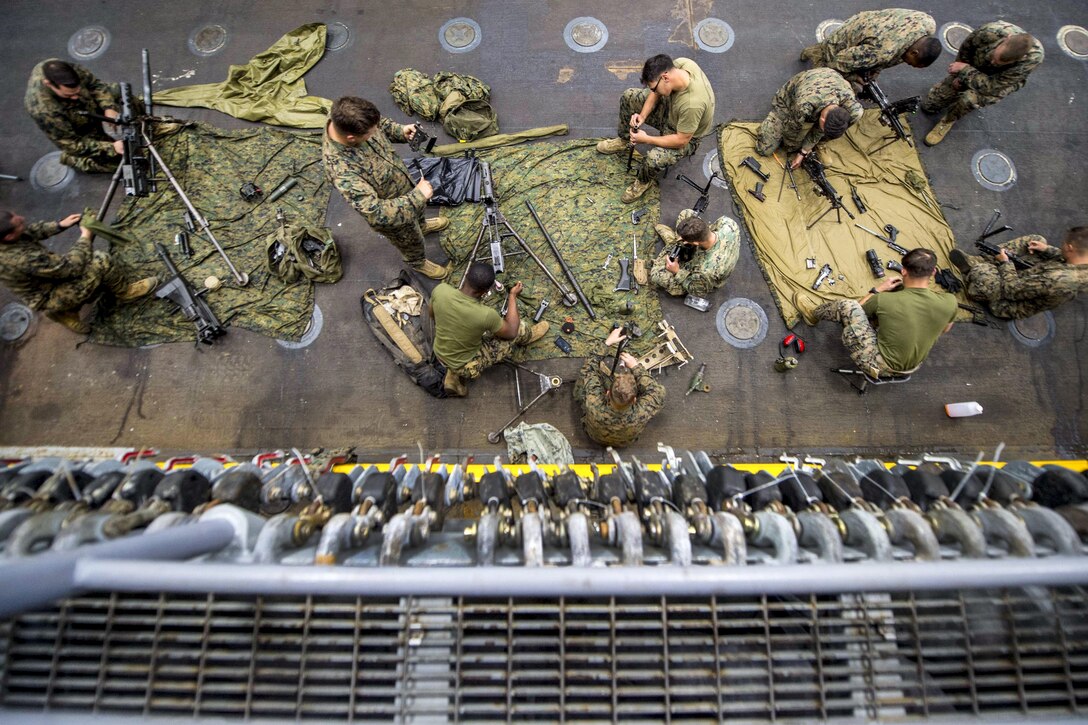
(562, 263)
(166, 259)
(146, 63)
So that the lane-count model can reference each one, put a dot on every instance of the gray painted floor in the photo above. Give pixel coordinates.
(247, 393)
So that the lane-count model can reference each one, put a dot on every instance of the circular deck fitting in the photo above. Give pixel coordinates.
(742, 323)
(993, 169)
(208, 40)
(711, 166)
(49, 174)
(317, 321)
(714, 35)
(15, 320)
(952, 36)
(337, 36)
(1073, 40)
(89, 42)
(585, 35)
(1035, 331)
(826, 28)
(460, 35)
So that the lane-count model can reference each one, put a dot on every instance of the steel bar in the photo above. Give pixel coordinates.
(202, 578)
(35, 581)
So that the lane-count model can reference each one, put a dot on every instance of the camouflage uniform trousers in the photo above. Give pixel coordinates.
(408, 239)
(958, 102)
(71, 294)
(658, 159)
(493, 351)
(780, 129)
(103, 162)
(858, 336)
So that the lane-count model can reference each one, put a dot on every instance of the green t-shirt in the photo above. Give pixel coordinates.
(460, 322)
(692, 109)
(908, 322)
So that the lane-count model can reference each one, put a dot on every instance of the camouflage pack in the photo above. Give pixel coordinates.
(415, 93)
(296, 252)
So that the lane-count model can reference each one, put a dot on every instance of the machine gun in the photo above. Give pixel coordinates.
(992, 250)
(815, 170)
(495, 228)
(890, 112)
(191, 304)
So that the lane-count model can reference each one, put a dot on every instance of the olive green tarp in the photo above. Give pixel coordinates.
(211, 164)
(269, 88)
(890, 182)
(576, 192)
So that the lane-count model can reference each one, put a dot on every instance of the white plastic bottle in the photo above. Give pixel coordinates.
(962, 410)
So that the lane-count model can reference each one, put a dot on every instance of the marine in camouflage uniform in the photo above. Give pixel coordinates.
(602, 421)
(1057, 275)
(797, 106)
(84, 144)
(872, 41)
(708, 269)
(977, 79)
(374, 180)
(56, 284)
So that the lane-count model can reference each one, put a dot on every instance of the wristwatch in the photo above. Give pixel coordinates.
(874, 291)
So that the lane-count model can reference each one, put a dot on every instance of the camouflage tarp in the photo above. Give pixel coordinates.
(211, 164)
(891, 183)
(576, 191)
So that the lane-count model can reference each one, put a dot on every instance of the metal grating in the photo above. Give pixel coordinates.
(901, 657)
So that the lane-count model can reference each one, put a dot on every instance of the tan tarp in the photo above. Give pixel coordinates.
(890, 182)
(269, 88)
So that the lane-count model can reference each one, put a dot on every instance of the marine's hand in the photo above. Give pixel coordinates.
(516, 289)
(636, 120)
(1001, 256)
(615, 337)
(955, 67)
(797, 160)
(425, 188)
(629, 361)
(1037, 246)
(409, 131)
(85, 232)
(639, 137)
(889, 284)
(119, 147)
(70, 220)
(672, 265)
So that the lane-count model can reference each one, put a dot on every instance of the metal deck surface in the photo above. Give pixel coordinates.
(248, 393)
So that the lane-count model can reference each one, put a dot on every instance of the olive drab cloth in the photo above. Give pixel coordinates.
(459, 101)
(891, 183)
(296, 251)
(575, 191)
(269, 88)
(211, 164)
(499, 139)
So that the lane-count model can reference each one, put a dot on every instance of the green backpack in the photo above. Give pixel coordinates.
(297, 252)
(413, 92)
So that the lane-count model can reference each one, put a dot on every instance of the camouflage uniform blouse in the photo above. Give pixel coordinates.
(1050, 282)
(373, 179)
(806, 94)
(993, 80)
(603, 423)
(30, 270)
(875, 40)
(61, 121)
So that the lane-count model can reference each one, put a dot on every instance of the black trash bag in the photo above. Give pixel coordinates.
(455, 181)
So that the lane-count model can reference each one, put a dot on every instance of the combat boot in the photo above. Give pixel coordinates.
(432, 270)
(71, 321)
(537, 331)
(961, 261)
(807, 307)
(454, 385)
(937, 134)
(136, 290)
(436, 224)
(612, 146)
(667, 234)
(635, 191)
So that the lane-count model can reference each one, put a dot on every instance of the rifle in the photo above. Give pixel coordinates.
(191, 304)
(992, 250)
(815, 170)
(890, 112)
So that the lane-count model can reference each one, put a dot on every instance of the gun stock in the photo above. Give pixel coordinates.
(192, 306)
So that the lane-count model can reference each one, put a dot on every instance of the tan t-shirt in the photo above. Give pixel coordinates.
(692, 109)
